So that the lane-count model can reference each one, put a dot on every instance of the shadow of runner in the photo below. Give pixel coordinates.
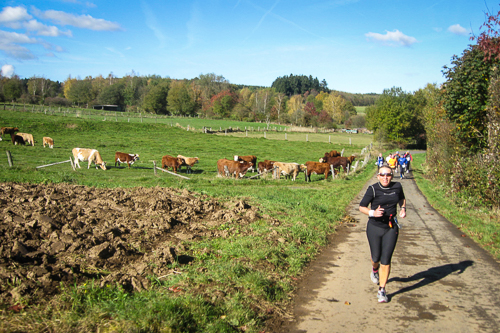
(431, 275)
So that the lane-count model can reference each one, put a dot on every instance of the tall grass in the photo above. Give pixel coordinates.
(234, 283)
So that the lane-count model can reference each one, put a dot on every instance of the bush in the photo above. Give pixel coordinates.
(57, 101)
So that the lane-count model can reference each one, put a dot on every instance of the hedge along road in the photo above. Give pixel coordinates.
(440, 280)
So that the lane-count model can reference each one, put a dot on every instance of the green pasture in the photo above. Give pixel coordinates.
(255, 275)
(351, 142)
(151, 141)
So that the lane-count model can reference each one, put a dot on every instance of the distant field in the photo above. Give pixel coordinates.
(360, 109)
(348, 141)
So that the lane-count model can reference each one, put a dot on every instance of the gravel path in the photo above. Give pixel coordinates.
(441, 281)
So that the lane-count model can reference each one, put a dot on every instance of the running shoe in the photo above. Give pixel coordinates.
(382, 297)
(374, 277)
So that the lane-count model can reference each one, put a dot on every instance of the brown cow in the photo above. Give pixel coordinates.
(317, 168)
(17, 139)
(332, 153)
(8, 130)
(91, 155)
(337, 162)
(265, 166)
(168, 161)
(350, 159)
(236, 169)
(249, 158)
(48, 141)
(125, 158)
(188, 162)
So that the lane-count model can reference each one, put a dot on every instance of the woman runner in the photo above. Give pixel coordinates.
(382, 229)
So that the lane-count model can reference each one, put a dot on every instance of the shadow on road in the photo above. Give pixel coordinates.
(431, 275)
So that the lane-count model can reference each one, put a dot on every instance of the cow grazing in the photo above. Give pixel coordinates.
(48, 141)
(168, 161)
(28, 138)
(265, 166)
(188, 162)
(337, 162)
(125, 158)
(236, 169)
(249, 158)
(288, 169)
(317, 168)
(17, 139)
(8, 130)
(91, 155)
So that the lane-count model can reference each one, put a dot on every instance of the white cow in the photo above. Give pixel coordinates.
(91, 155)
(289, 169)
(28, 138)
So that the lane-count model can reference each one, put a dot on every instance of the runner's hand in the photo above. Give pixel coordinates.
(379, 212)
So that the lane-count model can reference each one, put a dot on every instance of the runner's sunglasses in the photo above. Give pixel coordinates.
(385, 174)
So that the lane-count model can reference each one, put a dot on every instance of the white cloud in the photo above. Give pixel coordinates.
(14, 14)
(45, 30)
(9, 43)
(392, 38)
(457, 29)
(81, 21)
(7, 71)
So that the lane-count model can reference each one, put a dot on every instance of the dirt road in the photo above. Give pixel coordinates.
(441, 281)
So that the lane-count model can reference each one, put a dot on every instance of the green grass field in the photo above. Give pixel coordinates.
(308, 213)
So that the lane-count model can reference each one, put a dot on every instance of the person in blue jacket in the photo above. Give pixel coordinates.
(380, 160)
(403, 163)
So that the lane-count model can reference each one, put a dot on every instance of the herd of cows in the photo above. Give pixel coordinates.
(237, 168)
(19, 138)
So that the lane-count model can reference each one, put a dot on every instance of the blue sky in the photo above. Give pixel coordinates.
(357, 46)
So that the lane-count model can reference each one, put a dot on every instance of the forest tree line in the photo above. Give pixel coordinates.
(297, 99)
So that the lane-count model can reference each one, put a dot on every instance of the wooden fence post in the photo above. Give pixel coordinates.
(333, 171)
(9, 157)
(72, 163)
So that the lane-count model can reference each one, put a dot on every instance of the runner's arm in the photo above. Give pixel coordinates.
(402, 204)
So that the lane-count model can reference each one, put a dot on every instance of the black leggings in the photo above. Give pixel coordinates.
(382, 242)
